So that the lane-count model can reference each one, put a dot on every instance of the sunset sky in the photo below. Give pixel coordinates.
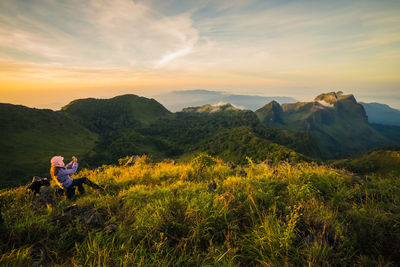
(52, 52)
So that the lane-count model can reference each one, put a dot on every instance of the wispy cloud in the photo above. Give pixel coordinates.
(111, 33)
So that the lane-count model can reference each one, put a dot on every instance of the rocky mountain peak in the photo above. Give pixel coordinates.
(220, 107)
(333, 97)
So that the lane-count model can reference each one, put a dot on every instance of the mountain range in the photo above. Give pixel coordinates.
(382, 114)
(100, 131)
(177, 100)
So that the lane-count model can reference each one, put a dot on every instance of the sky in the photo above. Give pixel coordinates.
(52, 52)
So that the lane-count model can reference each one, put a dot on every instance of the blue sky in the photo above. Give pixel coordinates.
(103, 48)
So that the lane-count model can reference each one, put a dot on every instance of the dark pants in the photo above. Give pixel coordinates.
(70, 191)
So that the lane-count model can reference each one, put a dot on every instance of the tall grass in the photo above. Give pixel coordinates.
(163, 214)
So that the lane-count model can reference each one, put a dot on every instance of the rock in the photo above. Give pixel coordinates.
(36, 184)
(131, 161)
(91, 218)
(231, 165)
(87, 216)
(46, 196)
(71, 209)
(111, 228)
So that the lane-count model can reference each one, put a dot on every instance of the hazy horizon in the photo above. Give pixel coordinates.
(58, 105)
(52, 52)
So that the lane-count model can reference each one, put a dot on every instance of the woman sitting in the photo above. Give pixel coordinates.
(60, 173)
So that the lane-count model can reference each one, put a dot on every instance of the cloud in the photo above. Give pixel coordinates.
(169, 57)
(118, 33)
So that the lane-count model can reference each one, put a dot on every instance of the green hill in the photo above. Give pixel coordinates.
(120, 112)
(239, 143)
(30, 137)
(377, 161)
(336, 121)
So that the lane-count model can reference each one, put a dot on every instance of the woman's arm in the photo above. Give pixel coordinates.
(68, 171)
(69, 165)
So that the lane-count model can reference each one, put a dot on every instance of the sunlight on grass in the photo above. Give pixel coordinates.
(164, 214)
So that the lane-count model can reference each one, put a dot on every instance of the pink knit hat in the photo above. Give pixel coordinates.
(57, 161)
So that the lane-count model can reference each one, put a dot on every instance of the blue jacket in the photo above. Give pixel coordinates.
(63, 174)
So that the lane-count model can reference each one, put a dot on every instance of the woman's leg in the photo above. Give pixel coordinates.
(84, 180)
(79, 183)
(91, 184)
(70, 192)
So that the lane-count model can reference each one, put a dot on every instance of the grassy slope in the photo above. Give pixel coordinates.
(30, 137)
(162, 214)
(379, 161)
(239, 143)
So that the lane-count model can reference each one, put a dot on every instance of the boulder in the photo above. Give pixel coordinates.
(131, 161)
(91, 218)
(110, 229)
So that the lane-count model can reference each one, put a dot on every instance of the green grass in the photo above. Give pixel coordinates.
(162, 214)
(384, 162)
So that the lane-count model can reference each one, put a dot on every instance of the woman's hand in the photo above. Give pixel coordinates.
(74, 159)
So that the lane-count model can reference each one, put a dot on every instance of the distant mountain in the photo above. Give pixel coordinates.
(382, 114)
(30, 137)
(337, 122)
(391, 132)
(177, 100)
